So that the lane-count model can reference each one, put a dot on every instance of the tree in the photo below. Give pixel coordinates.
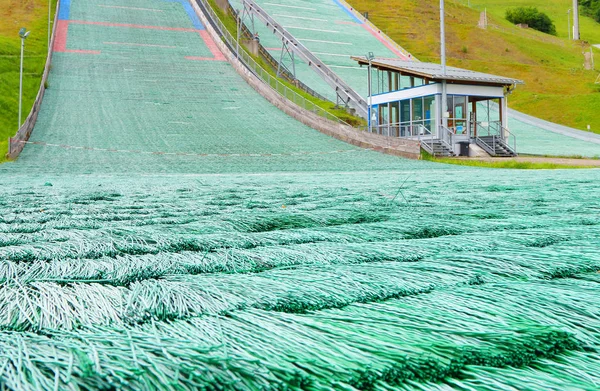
(533, 18)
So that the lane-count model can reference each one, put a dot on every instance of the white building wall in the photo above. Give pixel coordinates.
(434, 89)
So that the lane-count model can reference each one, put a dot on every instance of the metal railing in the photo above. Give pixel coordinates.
(415, 130)
(447, 137)
(498, 135)
(17, 142)
(344, 91)
(259, 71)
(264, 53)
(511, 140)
(407, 129)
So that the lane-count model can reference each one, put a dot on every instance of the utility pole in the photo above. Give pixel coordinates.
(444, 105)
(576, 20)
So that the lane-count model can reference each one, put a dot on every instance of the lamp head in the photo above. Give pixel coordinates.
(370, 56)
(23, 33)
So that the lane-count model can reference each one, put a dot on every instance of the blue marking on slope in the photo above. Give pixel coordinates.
(64, 10)
(190, 11)
(350, 13)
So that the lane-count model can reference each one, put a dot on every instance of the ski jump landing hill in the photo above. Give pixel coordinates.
(168, 228)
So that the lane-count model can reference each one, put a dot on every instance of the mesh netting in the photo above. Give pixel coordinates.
(355, 280)
(169, 229)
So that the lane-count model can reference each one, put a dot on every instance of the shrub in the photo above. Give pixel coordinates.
(533, 18)
(591, 8)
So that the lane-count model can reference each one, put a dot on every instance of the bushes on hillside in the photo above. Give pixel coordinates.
(591, 8)
(533, 18)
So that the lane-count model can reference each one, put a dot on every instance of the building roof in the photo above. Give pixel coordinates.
(434, 72)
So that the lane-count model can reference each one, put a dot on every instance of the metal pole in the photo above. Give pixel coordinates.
(575, 20)
(370, 97)
(21, 81)
(569, 23)
(443, 61)
(49, 12)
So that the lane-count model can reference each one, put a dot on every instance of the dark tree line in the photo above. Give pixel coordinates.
(532, 17)
(591, 8)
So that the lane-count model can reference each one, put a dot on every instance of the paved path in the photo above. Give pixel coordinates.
(556, 128)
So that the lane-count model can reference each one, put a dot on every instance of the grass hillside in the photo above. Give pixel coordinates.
(557, 88)
(14, 14)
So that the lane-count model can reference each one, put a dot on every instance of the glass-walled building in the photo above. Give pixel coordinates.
(406, 100)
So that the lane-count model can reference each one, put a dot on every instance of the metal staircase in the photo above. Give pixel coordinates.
(440, 147)
(494, 139)
(437, 148)
(282, 72)
(345, 93)
(495, 146)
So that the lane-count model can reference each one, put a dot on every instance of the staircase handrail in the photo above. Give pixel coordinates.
(259, 71)
(490, 149)
(509, 136)
(344, 91)
(287, 75)
(423, 131)
(447, 137)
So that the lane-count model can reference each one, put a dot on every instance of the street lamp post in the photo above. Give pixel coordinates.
(23, 33)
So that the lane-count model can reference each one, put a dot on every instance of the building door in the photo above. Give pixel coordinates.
(457, 107)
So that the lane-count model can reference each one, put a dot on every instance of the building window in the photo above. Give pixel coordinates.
(430, 112)
(417, 109)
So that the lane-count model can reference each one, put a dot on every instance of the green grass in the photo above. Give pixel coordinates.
(230, 24)
(556, 10)
(557, 88)
(507, 164)
(14, 14)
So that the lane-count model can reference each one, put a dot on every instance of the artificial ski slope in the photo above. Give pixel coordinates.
(168, 229)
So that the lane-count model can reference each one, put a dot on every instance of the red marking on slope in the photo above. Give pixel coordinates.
(212, 46)
(60, 39)
(135, 26)
(386, 43)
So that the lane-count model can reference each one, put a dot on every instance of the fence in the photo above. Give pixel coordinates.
(258, 70)
(17, 142)
(264, 53)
